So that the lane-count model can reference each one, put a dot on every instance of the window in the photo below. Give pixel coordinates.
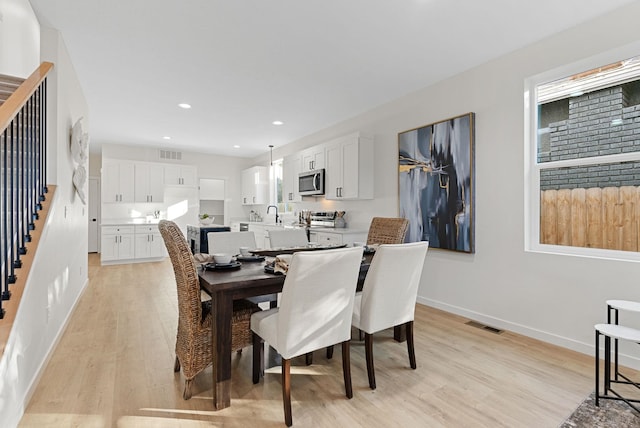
(583, 181)
(276, 194)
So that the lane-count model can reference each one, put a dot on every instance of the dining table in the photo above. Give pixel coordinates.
(226, 285)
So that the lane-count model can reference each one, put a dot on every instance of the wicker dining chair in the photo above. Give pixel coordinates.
(385, 230)
(195, 320)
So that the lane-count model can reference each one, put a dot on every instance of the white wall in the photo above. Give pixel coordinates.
(19, 38)
(554, 298)
(58, 277)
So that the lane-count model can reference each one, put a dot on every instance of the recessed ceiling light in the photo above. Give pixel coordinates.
(184, 105)
(235, 146)
(166, 137)
(277, 122)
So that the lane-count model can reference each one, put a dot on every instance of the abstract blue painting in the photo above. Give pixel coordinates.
(436, 183)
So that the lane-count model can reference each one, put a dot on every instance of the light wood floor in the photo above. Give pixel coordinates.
(114, 368)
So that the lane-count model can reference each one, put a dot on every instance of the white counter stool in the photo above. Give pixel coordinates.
(617, 332)
(613, 308)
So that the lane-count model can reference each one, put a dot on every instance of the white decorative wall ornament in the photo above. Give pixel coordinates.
(80, 154)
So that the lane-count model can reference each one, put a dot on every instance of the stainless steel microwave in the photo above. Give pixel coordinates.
(311, 183)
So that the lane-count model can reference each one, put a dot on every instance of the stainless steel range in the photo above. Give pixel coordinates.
(323, 218)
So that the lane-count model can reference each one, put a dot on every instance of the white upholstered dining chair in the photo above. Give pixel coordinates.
(288, 238)
(315, 312)
(388, 296)
(230, 242)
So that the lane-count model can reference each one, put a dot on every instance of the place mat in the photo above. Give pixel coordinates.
(610, 414)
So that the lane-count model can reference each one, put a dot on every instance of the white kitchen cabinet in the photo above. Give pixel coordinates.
(313, 158)
(349, 168)
(117, 243)
(255, 186)
(149, 182)
(118, 179)
(344, 236)
(148, 242)
(180, 175)
(291, 167)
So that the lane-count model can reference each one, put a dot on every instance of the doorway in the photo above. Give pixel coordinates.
(94, 215)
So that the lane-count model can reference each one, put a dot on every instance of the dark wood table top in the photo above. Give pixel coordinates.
(272, 252)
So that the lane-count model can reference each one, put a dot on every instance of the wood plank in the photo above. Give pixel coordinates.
(548, 217)
(611, 218)
(629, 227)
(563, 208)
(579, 217)
(594, 217)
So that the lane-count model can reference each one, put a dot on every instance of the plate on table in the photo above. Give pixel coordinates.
(250, 258)
(222, 266)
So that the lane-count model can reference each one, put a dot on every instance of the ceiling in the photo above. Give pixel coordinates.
(243, 64)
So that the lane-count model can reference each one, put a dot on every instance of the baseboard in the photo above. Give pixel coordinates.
(564, 342)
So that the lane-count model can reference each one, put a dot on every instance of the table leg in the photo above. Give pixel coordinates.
(221, 343)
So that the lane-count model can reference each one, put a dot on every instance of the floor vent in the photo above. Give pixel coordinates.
(484, 327)
(169, 155)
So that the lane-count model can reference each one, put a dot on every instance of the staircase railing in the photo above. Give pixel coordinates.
(23, 172)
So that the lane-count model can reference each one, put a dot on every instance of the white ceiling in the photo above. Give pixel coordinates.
(242, 64)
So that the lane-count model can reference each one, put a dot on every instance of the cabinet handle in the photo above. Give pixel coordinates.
(150, 198)
(116, 239)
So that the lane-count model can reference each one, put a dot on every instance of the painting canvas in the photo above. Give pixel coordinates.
(436, 183)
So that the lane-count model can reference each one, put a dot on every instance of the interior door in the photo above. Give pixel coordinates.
(94, 211)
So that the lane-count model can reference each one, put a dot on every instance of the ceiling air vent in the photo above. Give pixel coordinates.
(170, 155)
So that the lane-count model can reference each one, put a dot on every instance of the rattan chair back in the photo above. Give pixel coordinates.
(194, 336)
(387, 230)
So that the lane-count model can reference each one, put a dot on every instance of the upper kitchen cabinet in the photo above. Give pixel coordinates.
(291, 167)
(149, 182)
(117, 181)
(313, 158)
(349, 168)
(180, 175)
(255, 186)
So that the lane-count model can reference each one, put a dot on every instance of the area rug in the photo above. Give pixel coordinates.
(610, 414)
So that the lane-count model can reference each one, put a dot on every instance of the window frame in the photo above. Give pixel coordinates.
(532, 167)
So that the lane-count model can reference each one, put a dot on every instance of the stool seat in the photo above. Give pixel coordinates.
(625, 305)
(619, 332)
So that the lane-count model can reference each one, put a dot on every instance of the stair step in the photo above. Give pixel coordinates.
(8, 85)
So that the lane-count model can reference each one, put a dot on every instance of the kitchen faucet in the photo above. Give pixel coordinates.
(276, 211)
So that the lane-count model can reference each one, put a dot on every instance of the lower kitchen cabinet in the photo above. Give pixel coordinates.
(131, 244)
(344, 236)
(148, 242)
(117, 243)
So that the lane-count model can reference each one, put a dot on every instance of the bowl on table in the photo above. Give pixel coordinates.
(222, 259)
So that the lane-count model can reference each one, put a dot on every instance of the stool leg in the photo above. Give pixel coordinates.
(597, 368)
(607, 364)
(616, 349)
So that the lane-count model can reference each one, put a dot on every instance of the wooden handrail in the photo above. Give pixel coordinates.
(14, 103)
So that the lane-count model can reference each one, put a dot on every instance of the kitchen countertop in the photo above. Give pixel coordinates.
(129, 222)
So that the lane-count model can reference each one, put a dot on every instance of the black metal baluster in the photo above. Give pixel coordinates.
(5, 235)
(3, 247)
(44, 141)
(11, 192)
(17, 213)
